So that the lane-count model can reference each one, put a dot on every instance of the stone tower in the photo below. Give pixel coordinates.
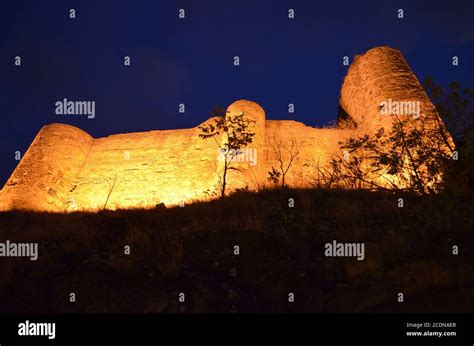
(381, 75)
(253, 111)
(247, 162)
(42, 179)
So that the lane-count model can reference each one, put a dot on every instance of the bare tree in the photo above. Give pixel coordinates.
(285, 154)
(455, 105)
(237, 135)
(411, 156)
(324, 176)
(110, 192)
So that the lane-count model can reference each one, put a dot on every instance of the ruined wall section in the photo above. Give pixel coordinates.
(137, 170)
(41, 181)
(65, 169)
(380, 74)
(315, 147)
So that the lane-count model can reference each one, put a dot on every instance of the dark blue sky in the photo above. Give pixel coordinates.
(190, 61)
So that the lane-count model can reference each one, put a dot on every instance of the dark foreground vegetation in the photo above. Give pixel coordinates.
(191, 250)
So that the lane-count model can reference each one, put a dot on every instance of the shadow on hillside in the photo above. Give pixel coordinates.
(143, 260)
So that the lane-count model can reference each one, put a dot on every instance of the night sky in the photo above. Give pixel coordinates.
(190, 60)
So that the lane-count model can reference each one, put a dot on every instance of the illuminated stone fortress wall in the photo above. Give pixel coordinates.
(65, 169)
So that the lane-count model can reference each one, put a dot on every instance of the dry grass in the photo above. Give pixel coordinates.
(190, 250)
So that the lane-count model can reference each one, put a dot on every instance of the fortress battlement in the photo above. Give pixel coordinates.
(65, 169)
